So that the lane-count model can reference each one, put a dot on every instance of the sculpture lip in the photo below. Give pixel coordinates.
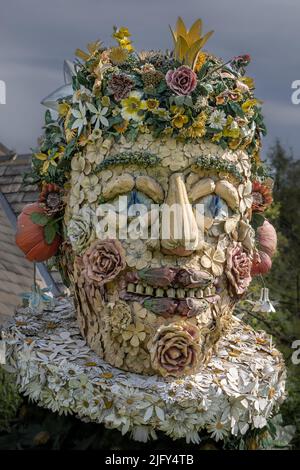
(170, 291)
(171, 277)
(169, 306)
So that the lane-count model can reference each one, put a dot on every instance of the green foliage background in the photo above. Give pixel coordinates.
(23, 425)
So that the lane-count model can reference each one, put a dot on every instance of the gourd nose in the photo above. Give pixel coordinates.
(179, 230)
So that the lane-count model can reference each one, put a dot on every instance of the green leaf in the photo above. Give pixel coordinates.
(39, 219)
(161, 87)
(235, 107)
(48, 118)
(257, 220)
(179, 100)
(203, 70)
(188, 101)
(50, 233)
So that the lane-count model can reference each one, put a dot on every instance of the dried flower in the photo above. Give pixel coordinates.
(182, 80)
(201, 102)
(217, 119)
(120, 316)
(80, 229)
(118, 55)
(152, 104)
(151, 77)
(133, 107)
(238, 269)
(175, 349)
(51, 198)
(213, 259)
(241, 61)
(121, 85)
(262, 197)
(261, 263)
(103, 261)
(201, 59)
(135, 334)
(197, 129)
(267, 238)
(137, 254)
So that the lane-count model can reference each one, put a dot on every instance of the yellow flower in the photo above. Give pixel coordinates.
(179, 120)
(177, 109)
(93, 50)
(237, 94)
(122, 127)
(126, 44)
(197, 129)
(220, 99)
(105, 101)
(168, 131)
(121, 33)
(49, 158)
(217, 137)
(161, 113)
(118, 55)
(152, 104)
(144, 129)
(201, 59)
(70, 134)
(133, 107)
(249, 104)
(63, 109)
(122, 36)
(188, 43)
(98, 73)
(234, 143)
(231, 129)
(83, 141)
(248, 81)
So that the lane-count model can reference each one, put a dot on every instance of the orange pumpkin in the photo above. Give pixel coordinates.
(30, 237)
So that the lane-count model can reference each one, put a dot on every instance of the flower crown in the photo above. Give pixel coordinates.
(185, 94)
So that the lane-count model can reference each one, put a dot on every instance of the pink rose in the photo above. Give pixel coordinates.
(238, 269)
(103, 261)
(182, 80)
(175, 349)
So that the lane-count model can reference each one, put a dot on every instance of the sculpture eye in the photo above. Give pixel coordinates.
(133, 198)
(214, 207)
(137, 197)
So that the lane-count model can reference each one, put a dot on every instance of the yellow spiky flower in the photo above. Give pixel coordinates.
(188, 43)
(92, 47)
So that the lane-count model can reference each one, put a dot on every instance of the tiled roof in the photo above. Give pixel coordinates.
(12, 170)
(16, 273)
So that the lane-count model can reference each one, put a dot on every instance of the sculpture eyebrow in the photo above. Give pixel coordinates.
(143, 159)
(205, 162)
(144, 183)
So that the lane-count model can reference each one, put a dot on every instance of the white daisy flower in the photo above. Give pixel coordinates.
(217, 119)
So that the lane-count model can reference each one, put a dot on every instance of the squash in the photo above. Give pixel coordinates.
(30, 237)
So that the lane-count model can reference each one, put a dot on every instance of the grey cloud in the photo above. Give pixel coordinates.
(37, 35)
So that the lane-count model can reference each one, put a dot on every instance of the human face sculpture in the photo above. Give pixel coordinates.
(159, 304)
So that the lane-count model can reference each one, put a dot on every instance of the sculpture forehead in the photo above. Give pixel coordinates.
(174, 156)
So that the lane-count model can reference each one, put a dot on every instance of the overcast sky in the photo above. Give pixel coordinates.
(37, 35)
